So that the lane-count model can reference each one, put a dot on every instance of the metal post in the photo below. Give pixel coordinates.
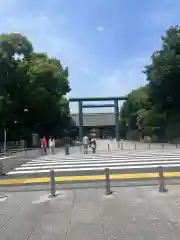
(116, 111)
(135, 146)
(80, 121)
(26, 152)
(161, 180)
(5, 139)
(107, 179)
(108, 146)
(121, 146)
(162, 145)
(118, 144)
(66, 149)
(1, 168)
(149, 145)
(52, 184)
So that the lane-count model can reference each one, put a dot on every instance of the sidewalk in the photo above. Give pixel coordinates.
(131, 213)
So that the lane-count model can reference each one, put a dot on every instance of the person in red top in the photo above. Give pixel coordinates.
(44, 145)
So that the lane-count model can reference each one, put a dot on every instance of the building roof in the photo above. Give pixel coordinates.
(95, 119)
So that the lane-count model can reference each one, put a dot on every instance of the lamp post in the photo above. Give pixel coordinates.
(5, 133)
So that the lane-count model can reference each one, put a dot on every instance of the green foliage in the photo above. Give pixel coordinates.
(134, 108)
(138, 113)
(14, 43)
(164, 72)
(156, 106)
(32, 88)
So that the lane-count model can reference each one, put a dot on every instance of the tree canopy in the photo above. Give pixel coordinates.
(164, 71)
(155, 108)
(33, 87)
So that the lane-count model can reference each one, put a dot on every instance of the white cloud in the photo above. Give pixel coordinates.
(49, 37)
(125, 78)
(162, 18)
(165, 15)
(5, 3)
(99, 29)
(44, 19)
(52, 38)
(84, 70)
(31, 23)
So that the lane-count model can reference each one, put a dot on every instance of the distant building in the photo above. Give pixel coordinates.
(97, 124)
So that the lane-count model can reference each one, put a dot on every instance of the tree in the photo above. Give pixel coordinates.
(158, 111)
(139, 114)
(12, 47)
(48, 83)
(151, 123)
(34, 82)
(163, 76)
(137, 100)
(164, 71)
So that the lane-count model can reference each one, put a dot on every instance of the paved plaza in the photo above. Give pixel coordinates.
(132, 213)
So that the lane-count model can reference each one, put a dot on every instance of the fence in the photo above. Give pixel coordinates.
(125, 145)
(11, 145)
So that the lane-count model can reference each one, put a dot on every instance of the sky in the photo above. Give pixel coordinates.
(105, 43)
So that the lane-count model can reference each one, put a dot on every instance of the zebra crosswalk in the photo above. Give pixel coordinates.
(91, 164)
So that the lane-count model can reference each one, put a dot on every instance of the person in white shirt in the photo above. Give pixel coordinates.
(85, 143)
(52, 145)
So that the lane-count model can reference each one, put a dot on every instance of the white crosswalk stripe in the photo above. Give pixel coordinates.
(78, 162)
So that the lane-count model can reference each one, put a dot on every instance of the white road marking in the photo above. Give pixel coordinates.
(120, 160)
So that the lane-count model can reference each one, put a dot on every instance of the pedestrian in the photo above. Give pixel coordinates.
(44, 145)
(90, 138)
(85, 143)
(93, 145)
(52, 145)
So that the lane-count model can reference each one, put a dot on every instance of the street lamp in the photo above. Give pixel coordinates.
(5, 130)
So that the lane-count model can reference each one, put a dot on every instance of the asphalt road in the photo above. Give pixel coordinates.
(87, 173)
(18, 159)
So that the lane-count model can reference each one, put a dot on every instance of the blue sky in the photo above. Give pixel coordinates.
(105, 43)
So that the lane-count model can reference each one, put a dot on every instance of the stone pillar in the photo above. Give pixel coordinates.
(116, 112)
(80, 121)
(35, 140)
(22, 144)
